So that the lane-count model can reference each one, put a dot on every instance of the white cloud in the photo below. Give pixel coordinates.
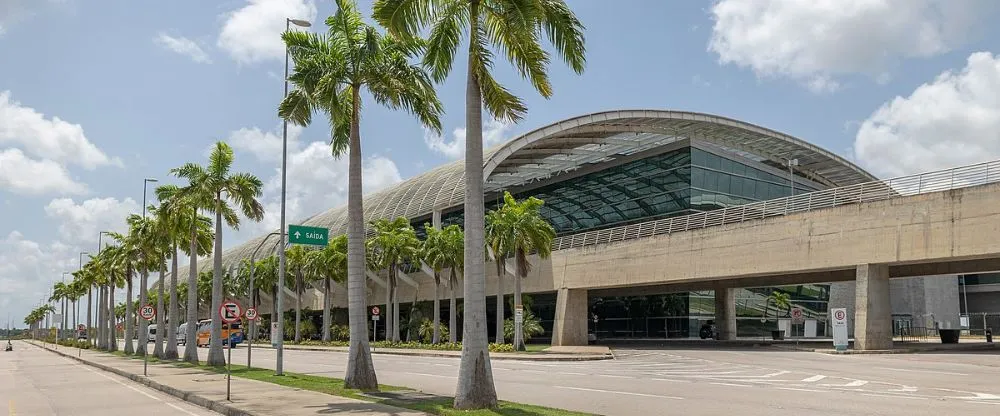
(950, 121)
(265, 146)
(82, 222)
(494, 132)
(815, 41)
(28, 269)
(183, 46)
(22, 175)
(252, 33)
(50, 138)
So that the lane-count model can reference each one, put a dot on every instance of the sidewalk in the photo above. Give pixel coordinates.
(249, 397)
(588, 353)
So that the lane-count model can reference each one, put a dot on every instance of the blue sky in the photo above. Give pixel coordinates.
(95, 96)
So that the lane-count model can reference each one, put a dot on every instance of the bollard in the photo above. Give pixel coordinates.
(989, 335)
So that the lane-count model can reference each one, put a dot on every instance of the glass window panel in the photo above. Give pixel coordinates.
(698, 157)
(722, 182)
(713, 162)
(726, 165)
(748, 187)
(697, 177)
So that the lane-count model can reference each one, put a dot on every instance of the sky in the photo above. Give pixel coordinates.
(97, 95)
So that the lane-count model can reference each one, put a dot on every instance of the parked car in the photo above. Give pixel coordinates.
(182, 334)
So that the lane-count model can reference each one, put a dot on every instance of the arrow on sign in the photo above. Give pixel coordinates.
(298, 234)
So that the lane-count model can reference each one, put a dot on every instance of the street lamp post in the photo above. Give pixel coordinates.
(81, 296)
(144, 182)
(281, 245)
(98, 306)
(791, 175)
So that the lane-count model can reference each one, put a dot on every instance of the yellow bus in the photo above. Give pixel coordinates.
(230, 333)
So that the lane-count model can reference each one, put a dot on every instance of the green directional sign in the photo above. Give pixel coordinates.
(314, 236)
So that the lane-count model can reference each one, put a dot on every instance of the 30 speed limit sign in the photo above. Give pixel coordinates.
(251, 314)
(147, 312)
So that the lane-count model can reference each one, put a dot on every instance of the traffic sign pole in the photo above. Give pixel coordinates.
(229, 312)
(148, 313)
(229, 363)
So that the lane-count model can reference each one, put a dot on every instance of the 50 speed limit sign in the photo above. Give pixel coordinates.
(147, 312)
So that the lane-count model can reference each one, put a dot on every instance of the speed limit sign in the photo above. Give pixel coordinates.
(251, 314)
(147, 312)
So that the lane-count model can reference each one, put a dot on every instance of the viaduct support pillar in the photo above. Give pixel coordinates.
(873, 316)
(725, 312)
(570, 327)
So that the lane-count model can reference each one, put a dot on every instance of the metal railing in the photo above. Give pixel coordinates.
(936, 181)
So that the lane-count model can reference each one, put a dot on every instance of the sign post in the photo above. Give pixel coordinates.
(798, 319)
(251, 315)
(314, 236)
(230, 312)
(146, 312)
(79, 331)
(375, 312)
(839, 328)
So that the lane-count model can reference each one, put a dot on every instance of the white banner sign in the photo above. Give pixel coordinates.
(839, 316)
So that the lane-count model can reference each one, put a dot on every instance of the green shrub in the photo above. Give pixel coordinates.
(426, 331)
(340, 332)
(501, 347)
(531, 326)
(306, 329)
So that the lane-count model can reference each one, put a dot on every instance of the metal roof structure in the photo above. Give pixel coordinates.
(578, 142)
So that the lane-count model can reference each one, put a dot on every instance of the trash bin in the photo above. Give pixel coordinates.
(949, 336)
(989, 335)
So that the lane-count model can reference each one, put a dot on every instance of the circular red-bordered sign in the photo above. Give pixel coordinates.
(840, 315)
(147, 312)
(251, 314)
(375, 310)
(230, 312)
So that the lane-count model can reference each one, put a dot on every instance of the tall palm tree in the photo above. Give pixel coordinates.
(191, 233)
(515, 28)
(330, 265)
(215, 182)
(330, 72)
(141, 250)
(161, 245)
(296, 257)
(59, 294)
(432, 251)
(522, 230)
(265, 275)
(498, 245)
(453, 251)
(393, 243)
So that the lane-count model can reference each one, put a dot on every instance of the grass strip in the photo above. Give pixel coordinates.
(436, 405)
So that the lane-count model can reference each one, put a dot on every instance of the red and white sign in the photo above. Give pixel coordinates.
(840, 317)
(230, 312)
(251, 314)
(797, 317)
(375, 310)
(81, 327)
(147, 312)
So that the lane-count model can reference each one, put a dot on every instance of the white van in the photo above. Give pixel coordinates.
(182, 334)
(151, 333)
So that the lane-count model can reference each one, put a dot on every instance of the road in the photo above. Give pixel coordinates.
(705, 382)
(37, 382)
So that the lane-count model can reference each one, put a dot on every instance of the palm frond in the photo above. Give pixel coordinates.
(565, 32)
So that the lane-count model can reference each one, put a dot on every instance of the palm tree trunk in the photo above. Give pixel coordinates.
(101, 341)
(326, 309)
(191, 336)
(388, 308)
(112, 320)
(75, 321)
(170, 352)
(298, 305)
(436, 338)
(90, 306)
(158, 347)
(475, 374)
(142, 339)
(453, 309)
(360, 369)
(521, 272)
(500, 308)
(395, 304)
(215, 354)
(129, 321)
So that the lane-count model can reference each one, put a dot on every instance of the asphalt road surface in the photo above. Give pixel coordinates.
(705, 382)
(37, 382)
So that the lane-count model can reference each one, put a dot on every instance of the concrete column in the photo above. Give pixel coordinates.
(725, 312)
(873, 314)
(436, 219)
(570, 326)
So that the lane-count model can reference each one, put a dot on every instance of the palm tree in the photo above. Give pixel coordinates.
(514, 27)
(296, 258)
(434, 254)
(141, 251)
(265, 275)
(59, 295)
(330, 265)
(215, 182)
(453, 251)
(330, 72)
(520, 229)
(192, 234)
(497, 244)
(393, 243)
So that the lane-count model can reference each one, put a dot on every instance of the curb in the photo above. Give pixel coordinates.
(538, 357)
(906, 350)
(212, 405)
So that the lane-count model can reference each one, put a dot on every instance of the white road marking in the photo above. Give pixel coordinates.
(732, 385)
(893, 396)
(133, 388)
(613, 376)
(778, 373)
(814, 378)
(922, 371)
(427, 375)
(798, 389)
(572, 374)
(629, 393)
(670, 380)
(856, 383)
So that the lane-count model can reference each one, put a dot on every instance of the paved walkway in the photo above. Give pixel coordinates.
(588, 353)
(249, 397)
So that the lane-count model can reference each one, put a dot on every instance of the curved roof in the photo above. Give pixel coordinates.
(577, 142)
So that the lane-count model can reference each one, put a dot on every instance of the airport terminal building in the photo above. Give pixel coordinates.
(605, 170)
